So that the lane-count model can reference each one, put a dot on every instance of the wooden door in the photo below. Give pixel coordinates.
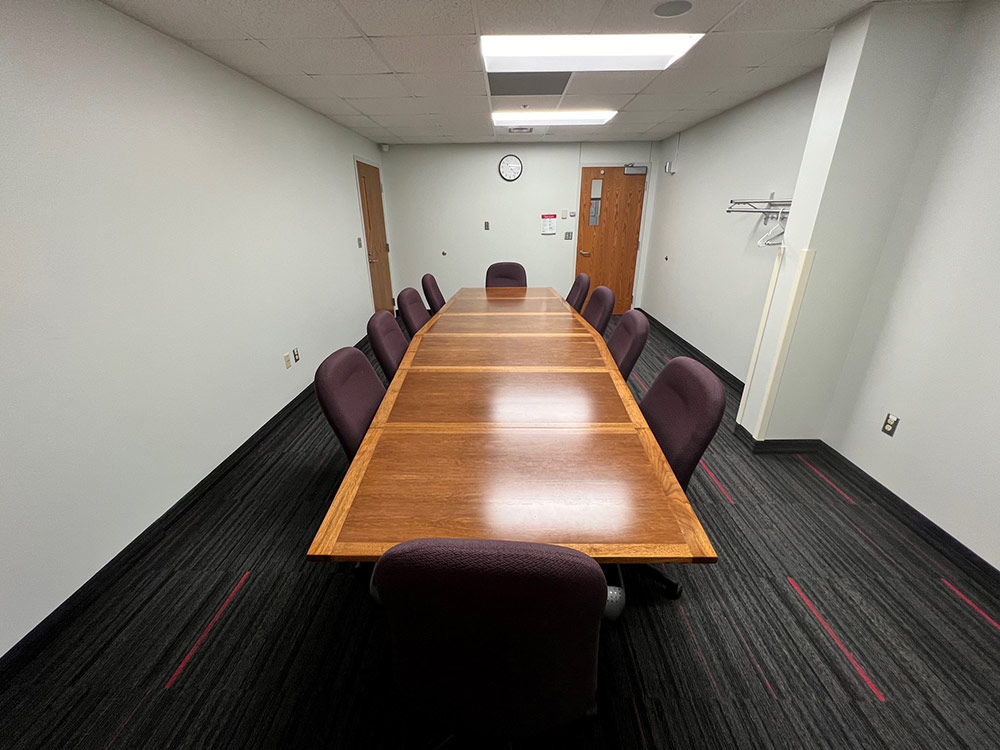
(606, 250)
(370, 187)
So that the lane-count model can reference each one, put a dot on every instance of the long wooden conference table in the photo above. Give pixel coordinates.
(508, 419)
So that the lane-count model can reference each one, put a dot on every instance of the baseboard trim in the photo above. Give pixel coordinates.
(722, 373)
(779, 446)
(42, 634)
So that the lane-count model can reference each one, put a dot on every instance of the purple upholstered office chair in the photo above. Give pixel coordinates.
(432, 292)
(506, 274)
(628, 340)
(350, 392)
(387, 340)
(683, 408)
(578, 292)
(493, 637)
(599, 308)
(411, 307)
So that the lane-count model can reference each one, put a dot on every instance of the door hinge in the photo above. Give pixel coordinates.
(387, 247)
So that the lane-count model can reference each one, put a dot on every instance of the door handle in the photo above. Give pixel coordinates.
(372, 260)
(584, 254)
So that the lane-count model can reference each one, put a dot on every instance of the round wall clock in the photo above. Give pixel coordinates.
(510, 167)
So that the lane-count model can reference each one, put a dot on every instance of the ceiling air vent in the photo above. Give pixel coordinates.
(528, 84)
(520, 131)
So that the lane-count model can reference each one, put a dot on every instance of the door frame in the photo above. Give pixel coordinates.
(361, 221)
(643, 223)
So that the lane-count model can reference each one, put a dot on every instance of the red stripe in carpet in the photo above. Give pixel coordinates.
(823, 476)
(204, 635)
(971, 603)
(717, 483)
(840, 645)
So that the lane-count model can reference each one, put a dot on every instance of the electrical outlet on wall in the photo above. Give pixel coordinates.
(295, 354)
(889, 426)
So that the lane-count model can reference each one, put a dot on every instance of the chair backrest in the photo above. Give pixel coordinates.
(506, 274)
(387, 340)
(578, 292)
(628, 340)
(599, 308)
(493, 636)
(350, 391)
(432, 292)
(683, 408)
(411, 307)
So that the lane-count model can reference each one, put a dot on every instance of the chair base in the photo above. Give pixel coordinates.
(672, 589)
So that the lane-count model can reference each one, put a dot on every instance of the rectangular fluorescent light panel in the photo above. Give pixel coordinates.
(572, 52)
(539, 118)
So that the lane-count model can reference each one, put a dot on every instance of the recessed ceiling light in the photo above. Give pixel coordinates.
(573, 52)
(672, 9)
(526, 118)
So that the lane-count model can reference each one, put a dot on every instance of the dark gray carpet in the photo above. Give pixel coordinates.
(837, 617)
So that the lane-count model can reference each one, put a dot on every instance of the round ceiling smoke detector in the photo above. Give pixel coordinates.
(672, 9)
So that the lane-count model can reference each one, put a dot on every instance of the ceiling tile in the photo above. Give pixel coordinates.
(353, 121)
(639, 118)
(759, 80)
(465, 124)
(276, 19)
(234, 19)
(397, 105)
(740, 49)
(756, 15)
(413, 17)
(298, 86)
(430, 54)
(186, 19)
(445, 84)
(318, 56)
(595, 101)
(810, 53)
(690, 80)
(247, 56)
(512, 103)
(419, 139)
(537, 16)
(661, 102)
(636, 16)
(330, 106)
(459, 104)
(379, 135)
(610, 82)
(406, 121)
(429, 131)
(360, 86)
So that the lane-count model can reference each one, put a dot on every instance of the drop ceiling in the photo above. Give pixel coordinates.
(409, 71)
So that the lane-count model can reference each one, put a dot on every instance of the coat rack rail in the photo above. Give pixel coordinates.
(770, 208)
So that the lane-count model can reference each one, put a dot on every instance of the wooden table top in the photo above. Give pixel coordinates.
(508, 419)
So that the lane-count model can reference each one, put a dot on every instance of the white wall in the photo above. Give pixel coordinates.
(928, 344)
(894, 80)
(439, 196)
(712, 288)
(169, 229)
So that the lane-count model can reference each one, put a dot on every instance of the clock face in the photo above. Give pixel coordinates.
(510, 167)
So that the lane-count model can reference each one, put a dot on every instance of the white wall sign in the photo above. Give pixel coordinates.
(548, 223)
